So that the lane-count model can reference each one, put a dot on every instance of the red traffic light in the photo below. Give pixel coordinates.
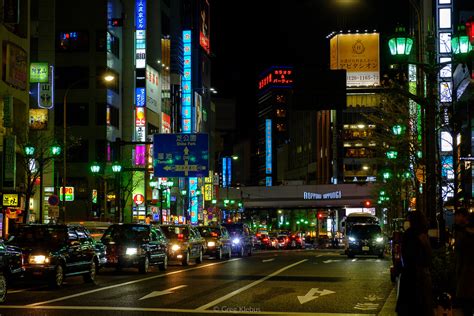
(367, 203)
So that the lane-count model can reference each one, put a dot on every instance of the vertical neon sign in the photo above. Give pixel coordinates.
(268, 151)
(186, 115)
(140, 90)
(186, 84)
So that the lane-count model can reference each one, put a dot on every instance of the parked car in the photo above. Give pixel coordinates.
(11, 267)
(241, 238)
(53, 252)
(217, 241)
(366, 239)
(135, 245)
(184, 243)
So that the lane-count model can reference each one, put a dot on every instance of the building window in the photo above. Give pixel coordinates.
(281, 113)
(72, 77)
(112, 116)
(74, 41)
(280, 98)
(77, 114)
(79, 152)
(113, 44)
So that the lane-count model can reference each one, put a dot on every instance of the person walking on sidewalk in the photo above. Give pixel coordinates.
(415, 286)
(464, 254)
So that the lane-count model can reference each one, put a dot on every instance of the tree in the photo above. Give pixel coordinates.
(397, 141)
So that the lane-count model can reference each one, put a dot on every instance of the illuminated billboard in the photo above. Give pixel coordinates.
(186, 84)
(359, 55)
(204, 26)
(277, 77)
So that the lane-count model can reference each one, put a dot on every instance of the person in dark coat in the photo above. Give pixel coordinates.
(464, 253)
(415, 286)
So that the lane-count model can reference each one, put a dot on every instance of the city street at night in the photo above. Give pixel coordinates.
(293, 282)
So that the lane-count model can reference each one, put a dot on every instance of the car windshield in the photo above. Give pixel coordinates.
(174, 232)
(209, 231)
(38, 234)
(365, 231)
(125, 233)
(234, 229)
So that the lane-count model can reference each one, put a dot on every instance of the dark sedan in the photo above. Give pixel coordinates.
(217, 241)
(11, 267)
(185, 243)
(53, 252)
(135, 245)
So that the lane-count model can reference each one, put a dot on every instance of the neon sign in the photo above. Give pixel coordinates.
(279, 77)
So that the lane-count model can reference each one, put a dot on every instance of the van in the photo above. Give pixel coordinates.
(365, 239)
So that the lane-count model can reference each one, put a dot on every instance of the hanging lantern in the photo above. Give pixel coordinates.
(400, 43)
(460, 41)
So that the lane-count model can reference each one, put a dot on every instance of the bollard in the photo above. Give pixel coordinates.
(444, 305)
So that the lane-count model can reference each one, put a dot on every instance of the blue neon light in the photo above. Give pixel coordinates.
(193, 199)
(268, 146)
(186, 85)
(140, 14)
(140, 97)
(268, 181)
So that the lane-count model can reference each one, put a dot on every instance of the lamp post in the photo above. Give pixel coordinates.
(117, 170)
(400, 46)
(108, 77)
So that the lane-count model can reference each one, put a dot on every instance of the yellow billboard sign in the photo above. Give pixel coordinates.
(359, 55)
(10, 199)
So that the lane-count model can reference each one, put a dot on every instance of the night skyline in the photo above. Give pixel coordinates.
(284, 33)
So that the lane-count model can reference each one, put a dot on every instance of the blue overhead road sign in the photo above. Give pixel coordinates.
(181, 155)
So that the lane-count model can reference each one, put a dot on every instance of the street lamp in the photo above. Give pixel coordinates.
(108, 77)
(117, 170)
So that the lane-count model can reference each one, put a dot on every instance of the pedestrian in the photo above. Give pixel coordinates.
(464, 254)
(415, 286)
(148, 219)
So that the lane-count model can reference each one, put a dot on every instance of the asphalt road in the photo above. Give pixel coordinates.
(293, 282)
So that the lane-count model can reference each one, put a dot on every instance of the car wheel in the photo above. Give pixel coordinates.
(185, 261)
(381, 255)
(144, 265)
(3, 288)
(219, 254)
(199, 259)
(89, 277)
(57, 278)
(164, 266)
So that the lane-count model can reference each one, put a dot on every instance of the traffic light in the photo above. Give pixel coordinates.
(367, 203)
(320, 215)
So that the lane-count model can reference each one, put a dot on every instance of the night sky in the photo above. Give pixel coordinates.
(249, 35)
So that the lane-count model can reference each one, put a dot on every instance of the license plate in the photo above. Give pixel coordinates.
(365, 248)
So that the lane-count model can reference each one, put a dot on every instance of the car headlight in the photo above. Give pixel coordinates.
(175, 247)
(211, 244)
(39, 259)
(352, 239)
(236, 241)
(131, 251)
(379, 239)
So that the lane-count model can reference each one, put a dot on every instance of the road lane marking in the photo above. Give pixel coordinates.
(24, 290)
(310, 295)
(177, 310)
(248, 286)
(354, 260)
(330, 261)
(268, 260)
(164, 292)
(129, 282)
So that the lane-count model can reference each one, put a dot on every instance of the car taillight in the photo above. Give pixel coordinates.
(180, 236)
(298, 239)
(265, 239)
(213, 234)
